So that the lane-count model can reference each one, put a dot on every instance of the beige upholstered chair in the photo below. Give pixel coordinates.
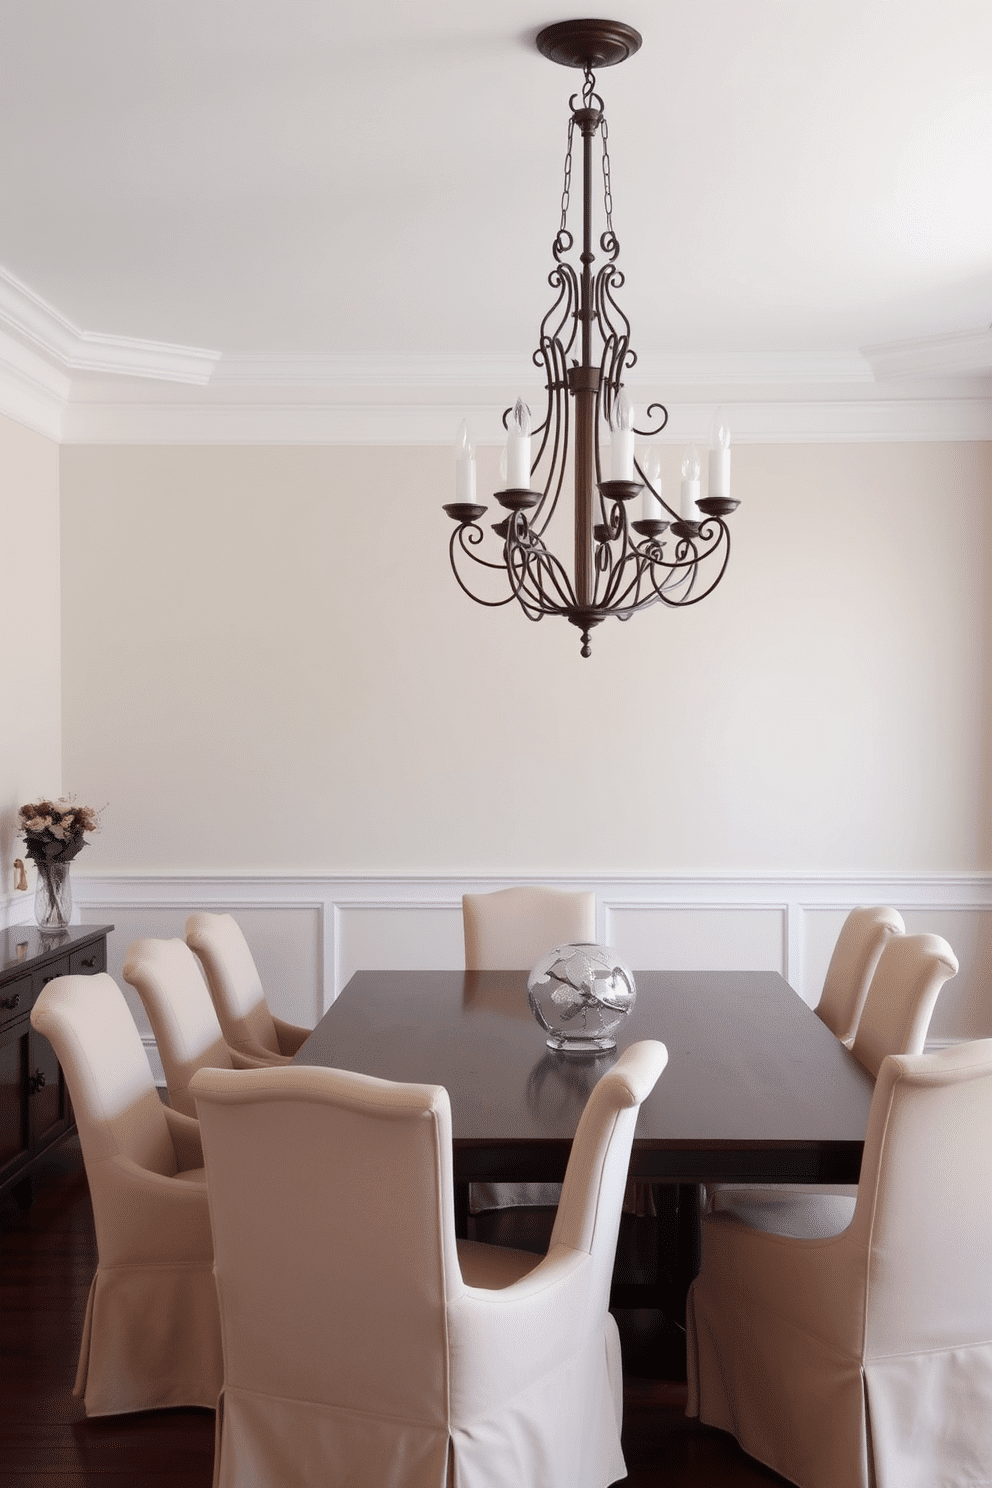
(511, 929)
(860, 1354)
(862, 937)
(903, 994)
(152, 1334)
(359, 1349)
(238, 999)
(167, 977)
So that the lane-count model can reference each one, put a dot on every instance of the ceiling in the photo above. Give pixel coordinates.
(794, 181)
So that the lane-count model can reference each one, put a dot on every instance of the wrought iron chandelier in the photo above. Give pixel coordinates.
(621, 565)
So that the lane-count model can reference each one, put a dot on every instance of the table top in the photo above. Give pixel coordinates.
(756, 1087)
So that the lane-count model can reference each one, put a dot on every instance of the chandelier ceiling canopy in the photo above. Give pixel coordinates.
(620, 563)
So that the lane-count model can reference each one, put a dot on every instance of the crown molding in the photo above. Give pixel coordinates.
(965, 355)
(83, 387)
(26, 315)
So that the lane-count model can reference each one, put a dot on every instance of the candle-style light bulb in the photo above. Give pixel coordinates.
(690, 485)
(622, 438)
(651, 466)
(720, 463)
(464, 465)
(518, 448)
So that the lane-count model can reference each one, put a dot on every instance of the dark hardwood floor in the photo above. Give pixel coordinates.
(47, 1259)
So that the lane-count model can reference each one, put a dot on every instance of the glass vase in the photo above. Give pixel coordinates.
(580, 994)
(53, 896)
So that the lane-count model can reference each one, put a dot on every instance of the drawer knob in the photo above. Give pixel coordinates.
(36, 1082)
(88, 961)
(10, 1002)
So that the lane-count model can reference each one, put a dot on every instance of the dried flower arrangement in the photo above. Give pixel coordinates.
(53, 830)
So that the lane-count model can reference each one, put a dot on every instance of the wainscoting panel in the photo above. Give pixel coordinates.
(392, 936)
(309, 934)
(698, 937)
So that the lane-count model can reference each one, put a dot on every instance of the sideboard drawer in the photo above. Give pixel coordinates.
(15, 1000)
(88, 959)
(49, 972)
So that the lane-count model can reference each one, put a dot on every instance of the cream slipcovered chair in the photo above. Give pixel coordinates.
(151, 1336)
(362, 1350)
(862, 1357)
(860, 943)
(896, 1018)
(167, 977)
(901, 999)
(238, 999)
(510, 930)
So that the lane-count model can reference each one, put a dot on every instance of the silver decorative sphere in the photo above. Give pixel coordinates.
(580, 994)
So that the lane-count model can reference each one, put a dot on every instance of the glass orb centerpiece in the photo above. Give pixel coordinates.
(580, 994)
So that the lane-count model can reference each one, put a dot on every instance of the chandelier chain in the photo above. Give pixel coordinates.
(607, 187)
(566, 189)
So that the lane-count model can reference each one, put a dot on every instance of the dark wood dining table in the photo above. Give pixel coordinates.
(756, 1088)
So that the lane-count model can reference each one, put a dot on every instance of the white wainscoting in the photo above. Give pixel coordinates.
(310, 934)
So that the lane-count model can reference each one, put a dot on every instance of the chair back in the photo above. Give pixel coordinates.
(592, 1194)
(167, 977)
(859, 945)
(903, 994)
(116, 1106)
(233, 979)
(511, 929)
(924, 1210)
(332, 1210)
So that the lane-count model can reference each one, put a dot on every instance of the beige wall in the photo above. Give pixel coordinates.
(268, 666)
(30, 710)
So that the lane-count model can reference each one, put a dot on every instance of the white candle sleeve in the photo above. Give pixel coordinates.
(464, 467)
(517, 461)
(690, 495)
(622, 454)
(719, 472)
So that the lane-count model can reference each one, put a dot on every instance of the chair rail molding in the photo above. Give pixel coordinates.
(310, 933)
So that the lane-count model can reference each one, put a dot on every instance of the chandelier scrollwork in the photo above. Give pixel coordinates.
(620, 564)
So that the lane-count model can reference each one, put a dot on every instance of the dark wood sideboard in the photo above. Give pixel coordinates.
(35, 1110)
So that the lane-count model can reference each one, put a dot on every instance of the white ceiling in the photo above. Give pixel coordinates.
(791, 178)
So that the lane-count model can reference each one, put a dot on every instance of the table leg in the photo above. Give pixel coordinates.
(688, 1238)
(461, 1209)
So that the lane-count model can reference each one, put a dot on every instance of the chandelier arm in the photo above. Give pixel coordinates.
(558, 389)
(704, 593)
(527, 559)
(653, 433)
(564, 279)
(630, 598)
(614, 563)
(666, 588)
(490, 604)
(612, 320)
(547, 565)
(549, 421)
(462, 535)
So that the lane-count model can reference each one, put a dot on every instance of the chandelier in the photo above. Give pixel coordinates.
(621, 563)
